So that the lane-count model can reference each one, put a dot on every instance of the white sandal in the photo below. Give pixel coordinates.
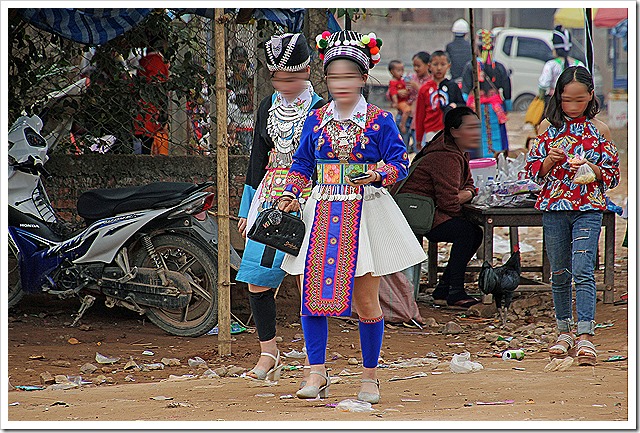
(586, 353)
(272, 375)
(562, 338)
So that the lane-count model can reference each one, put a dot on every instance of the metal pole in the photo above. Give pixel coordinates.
(222, 168)
(588, 40)
(474, 62)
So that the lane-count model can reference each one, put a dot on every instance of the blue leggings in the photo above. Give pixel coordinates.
(316, 333)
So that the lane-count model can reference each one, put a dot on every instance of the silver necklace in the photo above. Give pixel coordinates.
(284, 126)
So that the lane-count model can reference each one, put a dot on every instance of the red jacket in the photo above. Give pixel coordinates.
(442, 172)
(153, 68)
(434, 100)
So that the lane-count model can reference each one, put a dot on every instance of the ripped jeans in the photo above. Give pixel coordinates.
(571, 239)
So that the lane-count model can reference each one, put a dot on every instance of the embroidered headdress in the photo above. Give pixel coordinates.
(485, 40)
(288, 52)
(561, 39)
(347, 44)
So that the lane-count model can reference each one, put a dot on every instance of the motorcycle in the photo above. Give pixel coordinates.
(152, 249)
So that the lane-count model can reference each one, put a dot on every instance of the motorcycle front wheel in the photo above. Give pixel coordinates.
(184, 255)
(15, 285)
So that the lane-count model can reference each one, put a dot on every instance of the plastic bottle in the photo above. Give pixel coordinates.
(516, 354)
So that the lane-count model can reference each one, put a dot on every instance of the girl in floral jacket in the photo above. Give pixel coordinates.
(573, 203)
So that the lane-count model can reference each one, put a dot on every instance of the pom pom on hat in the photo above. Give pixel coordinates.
(364, 49)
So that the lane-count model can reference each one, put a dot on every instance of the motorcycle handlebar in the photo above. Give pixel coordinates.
(33, 167)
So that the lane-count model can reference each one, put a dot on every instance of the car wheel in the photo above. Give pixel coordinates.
(522, 102)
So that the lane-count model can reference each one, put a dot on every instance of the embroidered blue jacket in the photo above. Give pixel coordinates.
(377, 140)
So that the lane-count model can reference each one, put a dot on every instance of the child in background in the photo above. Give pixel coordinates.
(435, 98)
(572, 207)
(399, 100)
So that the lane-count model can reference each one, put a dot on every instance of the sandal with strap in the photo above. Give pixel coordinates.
(563, 348)
(272, 375)
(462, 304)
(586, 353)
(370, 397)
(304, 376)
(312, 391)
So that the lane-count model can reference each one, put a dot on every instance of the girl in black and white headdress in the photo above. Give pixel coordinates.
(553, 68)
(276, 137)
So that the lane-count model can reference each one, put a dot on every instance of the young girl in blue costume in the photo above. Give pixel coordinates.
(355, 233)
(276, 137)
(495, 97)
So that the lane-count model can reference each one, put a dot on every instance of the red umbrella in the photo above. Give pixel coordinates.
(609, 17)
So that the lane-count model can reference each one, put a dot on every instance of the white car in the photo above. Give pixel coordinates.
(524, 52)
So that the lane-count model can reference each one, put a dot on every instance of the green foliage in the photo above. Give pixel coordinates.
(40, 63)
(35, 69)
(354, 14)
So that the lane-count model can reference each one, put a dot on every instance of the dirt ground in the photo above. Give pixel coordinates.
(580, 393)
(39, 337)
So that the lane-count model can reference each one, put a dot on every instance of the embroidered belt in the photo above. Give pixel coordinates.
(335, 173)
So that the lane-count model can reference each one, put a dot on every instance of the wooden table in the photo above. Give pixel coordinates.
(488, 218)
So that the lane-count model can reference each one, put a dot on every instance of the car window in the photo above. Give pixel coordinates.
(534, 49)
(577, 53)
(506, 48)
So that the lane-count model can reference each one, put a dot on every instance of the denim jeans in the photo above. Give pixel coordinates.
(406, 137)
(571, 239)
(413, 275)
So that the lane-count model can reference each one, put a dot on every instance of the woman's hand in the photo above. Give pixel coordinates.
(374, 176)
(575, 163)
(288, 203)
(464, 196)
(242, 227)
(403, 93)
(556, 155)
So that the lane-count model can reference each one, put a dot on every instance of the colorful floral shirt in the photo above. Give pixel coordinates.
(377, 139)
(559, 192)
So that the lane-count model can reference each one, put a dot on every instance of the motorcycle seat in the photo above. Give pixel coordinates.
(104, 203)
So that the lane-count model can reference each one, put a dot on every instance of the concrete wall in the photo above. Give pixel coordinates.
(73, 175)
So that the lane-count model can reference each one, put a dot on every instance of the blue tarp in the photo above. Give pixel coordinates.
(98, 26)
(87, 26)
(620, 31)
(291, 19)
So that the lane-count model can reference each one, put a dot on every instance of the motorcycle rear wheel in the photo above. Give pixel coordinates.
(15, 286)
(184, 255)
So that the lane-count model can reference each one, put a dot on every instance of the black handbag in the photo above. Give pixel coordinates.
(281, 230)
(418, 210)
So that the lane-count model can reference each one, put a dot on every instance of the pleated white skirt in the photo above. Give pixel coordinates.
(386, 243)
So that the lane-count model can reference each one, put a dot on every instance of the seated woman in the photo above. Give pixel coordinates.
(444, 175)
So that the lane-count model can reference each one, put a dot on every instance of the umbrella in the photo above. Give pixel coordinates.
(573, 18)
(609, 17)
